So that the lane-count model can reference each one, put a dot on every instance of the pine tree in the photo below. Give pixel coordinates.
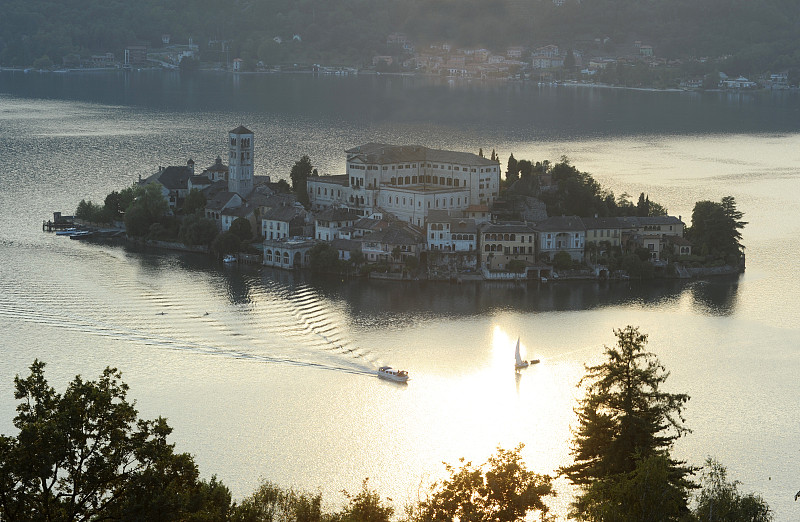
(624, 419)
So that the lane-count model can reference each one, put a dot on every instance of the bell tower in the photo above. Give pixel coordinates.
(240, 161)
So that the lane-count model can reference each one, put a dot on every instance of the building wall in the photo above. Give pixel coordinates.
(499, 247)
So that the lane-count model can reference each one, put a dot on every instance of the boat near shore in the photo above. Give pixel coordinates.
(390, 374)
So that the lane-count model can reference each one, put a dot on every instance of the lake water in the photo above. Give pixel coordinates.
(268, 375)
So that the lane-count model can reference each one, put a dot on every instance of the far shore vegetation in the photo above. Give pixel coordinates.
(691, 38)
(85, 455)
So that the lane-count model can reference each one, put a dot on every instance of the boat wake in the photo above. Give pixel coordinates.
(275, 324)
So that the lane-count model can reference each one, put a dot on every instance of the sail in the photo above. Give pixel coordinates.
(517, 355)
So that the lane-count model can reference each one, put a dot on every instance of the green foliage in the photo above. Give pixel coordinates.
(502, 490)
(759, 35)
(562, 260)
(720, 500)
(242, 229)
(623, 419)
(85, 455)
(225, 243)
(148, 207)
(365, 506)
(323, 258)
(270, 503)
(301, 170)
(512, 170)
(194, 202)
(92, 212)
(715, 230)
(517, 266)
(644, 494)
(195, 229)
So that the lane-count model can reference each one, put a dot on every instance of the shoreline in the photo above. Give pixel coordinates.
(344, 71)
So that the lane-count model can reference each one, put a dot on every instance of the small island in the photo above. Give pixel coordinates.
(409, 212)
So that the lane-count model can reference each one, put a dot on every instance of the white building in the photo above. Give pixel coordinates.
(408, 182)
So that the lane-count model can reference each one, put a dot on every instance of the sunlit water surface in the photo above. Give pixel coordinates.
(269, 375)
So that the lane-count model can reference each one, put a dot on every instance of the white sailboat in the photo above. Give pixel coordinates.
(519, 362)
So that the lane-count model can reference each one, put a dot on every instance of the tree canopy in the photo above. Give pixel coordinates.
(301, 170)
(720, 500)
(85, 455)
(715, 230)
(501, 490)
(623, 420)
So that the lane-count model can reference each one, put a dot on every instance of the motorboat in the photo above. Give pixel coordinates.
(390, 374)
(81, 234)
(230, 258)
(67, 231)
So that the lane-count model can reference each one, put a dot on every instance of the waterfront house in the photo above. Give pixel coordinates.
(500, 243)
(328, 222)
(561, 234)
(230, 214)
(651, 233)
(605, 232)
(287, 253)
(283, 220)
(220, 201)
(174, 182)
(452, 241)
(394, 245)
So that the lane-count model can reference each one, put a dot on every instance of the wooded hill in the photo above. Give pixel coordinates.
(758, 35)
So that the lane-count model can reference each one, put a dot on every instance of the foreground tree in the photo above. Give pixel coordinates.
(271, 503)
(364, 506)
(85, 455)
(502, 490)
(624, 420)
(720, 500)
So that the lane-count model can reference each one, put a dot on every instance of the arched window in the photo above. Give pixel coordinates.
(408, 180)
(268, 256)
(414, 180)
(487, 248)
(513, 237)
(286, 258)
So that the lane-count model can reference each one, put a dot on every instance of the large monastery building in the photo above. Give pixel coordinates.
(407, 181)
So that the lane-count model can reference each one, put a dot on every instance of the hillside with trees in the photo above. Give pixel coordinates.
(736, 35)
